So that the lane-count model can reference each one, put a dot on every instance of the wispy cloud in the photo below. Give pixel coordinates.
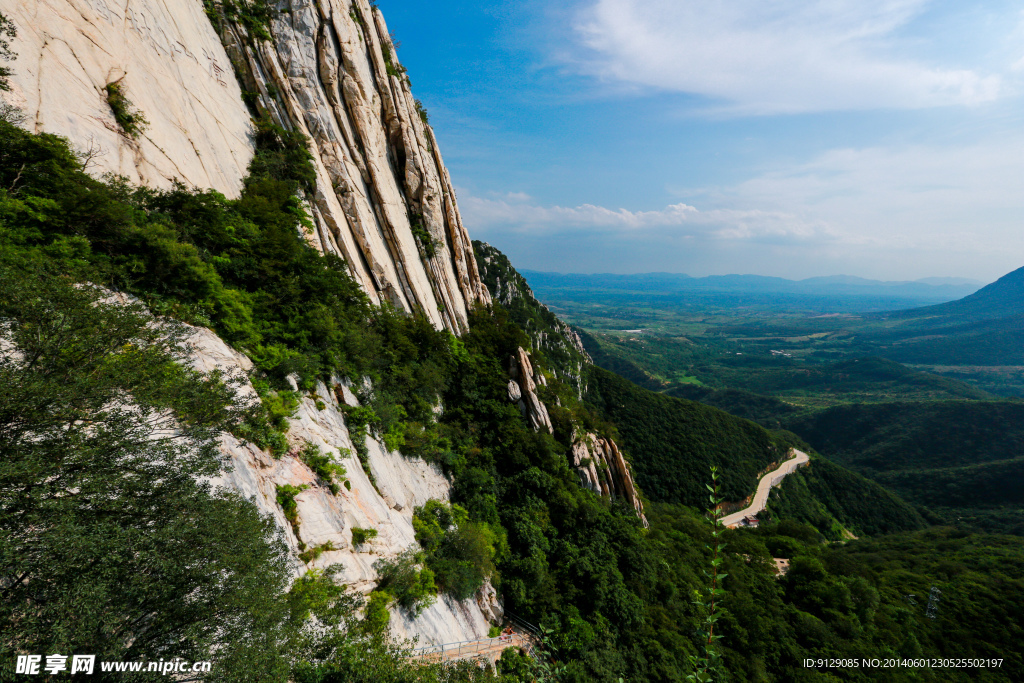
(784, 56)
(895, 213)
(518, 213)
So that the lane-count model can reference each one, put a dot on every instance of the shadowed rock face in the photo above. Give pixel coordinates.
(330, 72)
(523, 390)
(603, 469)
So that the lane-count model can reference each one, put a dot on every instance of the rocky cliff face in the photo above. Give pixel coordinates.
(383, 199)
(170, 62)
(326, 520)
(604, 470)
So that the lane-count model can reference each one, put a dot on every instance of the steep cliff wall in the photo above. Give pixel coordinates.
(383, 199)
(166, 57)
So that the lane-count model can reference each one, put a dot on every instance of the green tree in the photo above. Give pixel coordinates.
(110, 541)
(7, 32)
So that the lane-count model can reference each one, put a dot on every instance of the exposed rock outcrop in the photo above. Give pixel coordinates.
(600, 464)
(603, 469)
(383, 199)
(324, 518)
(523, 390)
(169, 62)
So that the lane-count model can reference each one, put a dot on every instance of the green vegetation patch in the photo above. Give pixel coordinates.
(132, 121)
(461, 553)
(323, 466)
(254, 15)
(286, 500)
(409, 584)
(361, 536)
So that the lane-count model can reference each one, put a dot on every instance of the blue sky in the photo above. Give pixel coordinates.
(879, 138)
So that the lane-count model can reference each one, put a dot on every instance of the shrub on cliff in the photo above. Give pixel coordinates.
(460, 552)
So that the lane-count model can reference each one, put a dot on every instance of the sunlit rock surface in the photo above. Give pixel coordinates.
(403, 484)
(169, 62)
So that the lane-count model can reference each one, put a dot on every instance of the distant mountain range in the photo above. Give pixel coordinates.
(928, 290)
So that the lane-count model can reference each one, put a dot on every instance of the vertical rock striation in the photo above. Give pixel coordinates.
(603, 469)
(383, 199)
(522, 389)
(167, 59)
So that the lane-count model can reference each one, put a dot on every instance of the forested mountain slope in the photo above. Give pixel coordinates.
(1004, 298)
(966, 459)
(404, 456)
(984, 328)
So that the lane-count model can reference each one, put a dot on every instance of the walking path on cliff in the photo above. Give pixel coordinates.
(485, 649)
(773, 478)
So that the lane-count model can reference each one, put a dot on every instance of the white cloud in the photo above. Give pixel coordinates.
(892, 213)
(778, 56)
(517, 213)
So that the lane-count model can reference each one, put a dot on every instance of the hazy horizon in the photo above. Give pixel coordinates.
(953, 279)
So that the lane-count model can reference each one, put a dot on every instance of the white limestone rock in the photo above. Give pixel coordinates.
(171, 65)
(403, 484)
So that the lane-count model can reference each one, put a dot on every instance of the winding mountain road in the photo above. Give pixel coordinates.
(773, 478)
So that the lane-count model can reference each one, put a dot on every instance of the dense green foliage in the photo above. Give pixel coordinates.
(953, 457)
(330, 472)
(460, 552)
(406, 581)
(361, 536)
(833, 499)
(109, 541)
(674, 441)
(896, 436)
(767, 411)
(7, 32)
(254, 15)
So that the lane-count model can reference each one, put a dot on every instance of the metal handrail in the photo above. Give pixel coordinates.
(463, 646)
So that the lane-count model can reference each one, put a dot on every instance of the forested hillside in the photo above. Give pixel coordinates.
(965, 460)
(673, 441)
